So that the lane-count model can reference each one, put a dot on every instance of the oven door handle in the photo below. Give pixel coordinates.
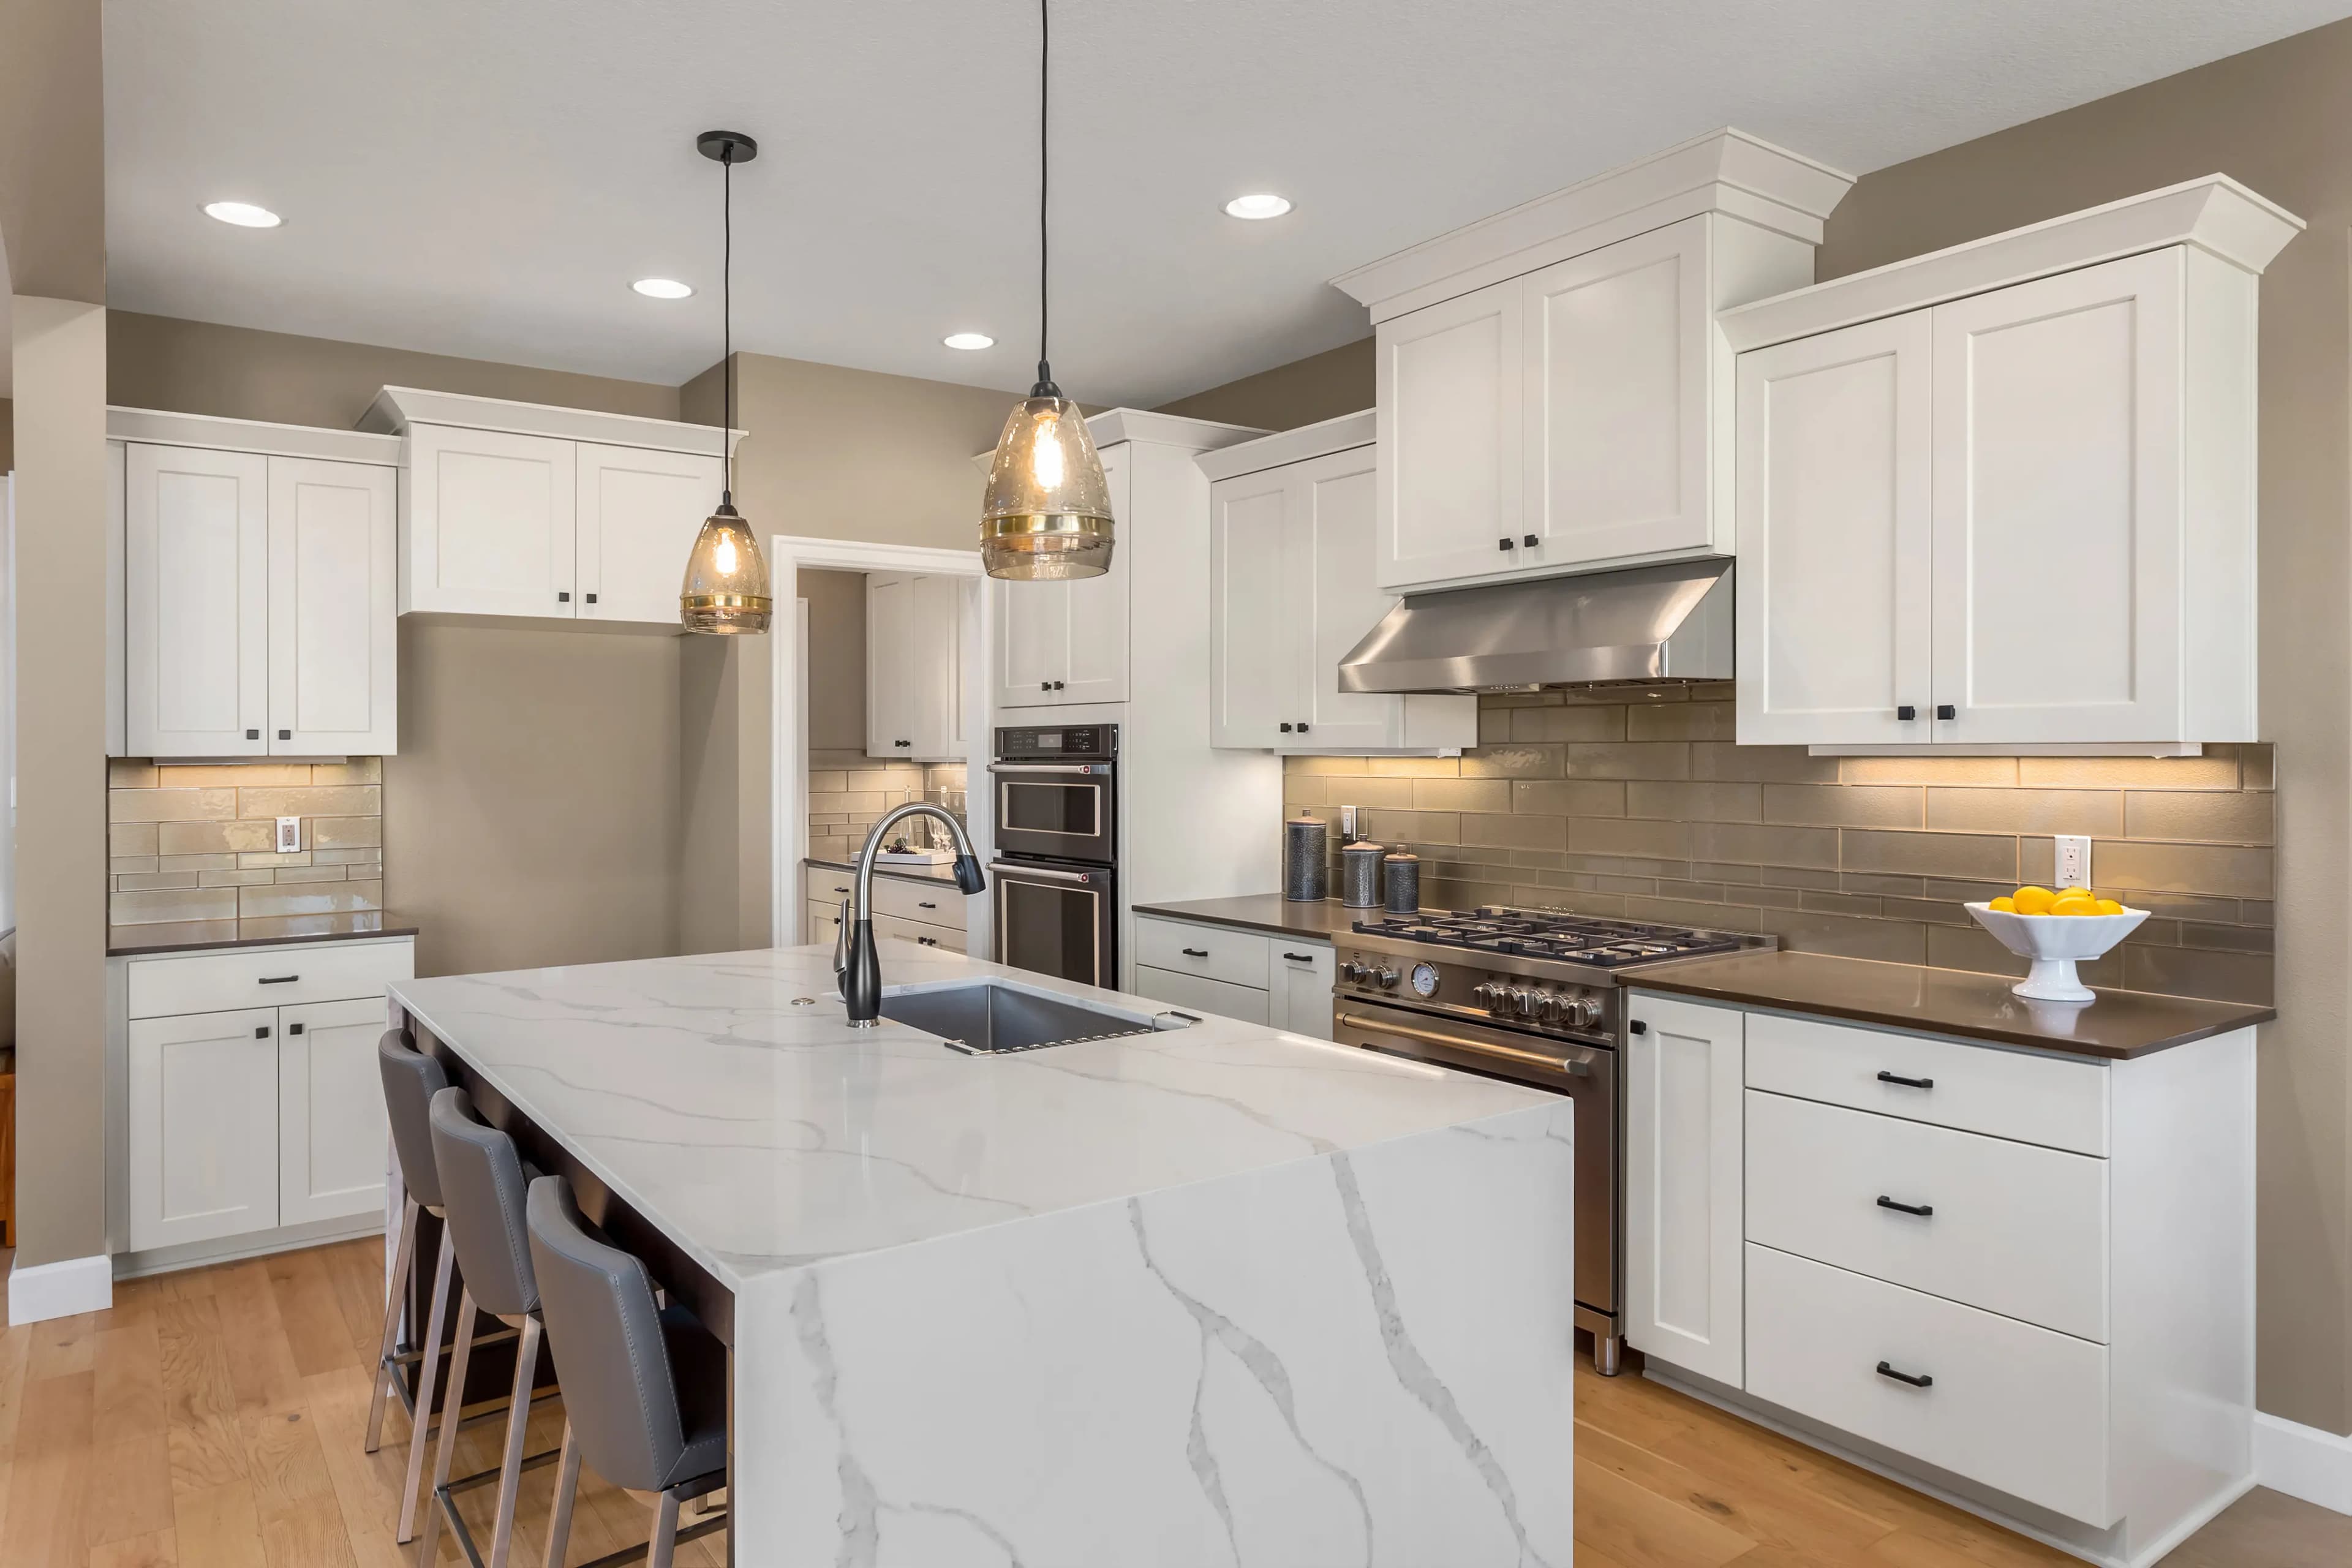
(1574, 1067)
(1007, 869)
(1083, 770)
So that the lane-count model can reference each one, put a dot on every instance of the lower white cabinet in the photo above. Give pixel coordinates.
(1684, 1064)
(238, 1120)
(2029, 1273)
(1284, 982)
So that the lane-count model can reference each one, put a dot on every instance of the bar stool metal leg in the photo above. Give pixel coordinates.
(426, 1369)
(518, 1423)
(664, 1545)
(395, 1298)
(567, 1486)
(461, 1354)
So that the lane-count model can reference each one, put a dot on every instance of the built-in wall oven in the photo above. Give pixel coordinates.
(1054, 793)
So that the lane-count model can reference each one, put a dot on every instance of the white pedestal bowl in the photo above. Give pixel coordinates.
(2055, 943)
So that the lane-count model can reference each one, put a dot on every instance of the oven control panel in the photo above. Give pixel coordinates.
(1514, 1001)
(1062, 743)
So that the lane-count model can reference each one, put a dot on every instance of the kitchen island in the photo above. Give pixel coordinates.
(1217, 1294)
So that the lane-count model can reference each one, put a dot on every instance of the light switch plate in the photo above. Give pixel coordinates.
(2073, 861)
(289, 835)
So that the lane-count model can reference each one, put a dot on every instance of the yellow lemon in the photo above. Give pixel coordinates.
(2075, 904)
(2109, 907)
(2006, 905)
(2076, 888)
(2030, 900)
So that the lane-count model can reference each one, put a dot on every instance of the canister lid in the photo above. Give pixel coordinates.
(1404, 855)
(1362, 847)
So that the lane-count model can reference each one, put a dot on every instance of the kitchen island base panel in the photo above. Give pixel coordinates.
(1283, 1366)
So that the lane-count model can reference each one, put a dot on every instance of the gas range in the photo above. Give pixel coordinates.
(1546, 971)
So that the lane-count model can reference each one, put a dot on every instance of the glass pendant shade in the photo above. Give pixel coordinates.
(726, 586)
(1046, 515)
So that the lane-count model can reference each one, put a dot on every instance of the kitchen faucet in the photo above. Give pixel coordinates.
(856, 968)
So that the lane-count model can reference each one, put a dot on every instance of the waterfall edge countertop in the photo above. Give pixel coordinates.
(1032, 1307)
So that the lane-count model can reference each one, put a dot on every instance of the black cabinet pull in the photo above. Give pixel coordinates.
(293, 1028)
(590, 598)
(563, 597)
(927, 942)
(1530, 542)
(253, 734)
(1637, 1027)
(1196, 953)
(1299, 957)
(262, 1033)
(1906, 1082)
(1302, 726)
(1922, 1381)
(1946, 710)
(279, 979)
(841, 889)
(1285, 729)
(1057, 686)
(1044, 686)
(285, 734)
(1907, 713)
(1503, 545)
(920, 905)
(1922, 1210)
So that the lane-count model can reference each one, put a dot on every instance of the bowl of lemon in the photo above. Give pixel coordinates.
(2055, 930)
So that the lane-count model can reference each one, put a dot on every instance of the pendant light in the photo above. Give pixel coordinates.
(1046, 512)
(726, 589)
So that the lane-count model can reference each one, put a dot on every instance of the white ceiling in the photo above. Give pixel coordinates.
(485, 180)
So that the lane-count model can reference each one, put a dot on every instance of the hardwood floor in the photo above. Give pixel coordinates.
(214, 1418)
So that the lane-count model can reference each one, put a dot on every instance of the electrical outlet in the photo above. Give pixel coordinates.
(289, 835)
(1348, 834)
(2073, 861)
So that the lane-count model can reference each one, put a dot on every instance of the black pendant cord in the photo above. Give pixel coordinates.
(727, 329)
(1045, 387)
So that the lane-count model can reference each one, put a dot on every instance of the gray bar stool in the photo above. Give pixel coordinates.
(645, 1392)
(482, 1190)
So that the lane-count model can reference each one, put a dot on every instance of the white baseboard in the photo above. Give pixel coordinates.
(2304, 1462)
(60, 1290)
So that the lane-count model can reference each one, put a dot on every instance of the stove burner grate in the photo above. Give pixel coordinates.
(1557, 936)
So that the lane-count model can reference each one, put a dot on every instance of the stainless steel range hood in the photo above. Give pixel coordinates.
(1644, 623)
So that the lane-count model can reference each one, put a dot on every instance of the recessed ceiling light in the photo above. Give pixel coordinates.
(1263, 204)
(661, 288)
(968, 340)
(245, 214)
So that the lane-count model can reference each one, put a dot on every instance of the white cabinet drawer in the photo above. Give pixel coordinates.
(1981, 1089)
(933, 903)
(1196, 995)
(1214, 952)
(824, 922)
(2018, 1408)
(951, 938)
(2016, 1229)
(266, 976)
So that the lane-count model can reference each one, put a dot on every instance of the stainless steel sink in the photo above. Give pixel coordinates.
(989, 1016)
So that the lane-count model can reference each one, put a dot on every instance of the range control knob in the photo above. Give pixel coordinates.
(1487, 995)
(1387, 978)
(1523, 1001)
(1355, 971)
(1548, 1007)
(1584, 1012)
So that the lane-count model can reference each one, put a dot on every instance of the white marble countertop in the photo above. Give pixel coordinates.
(760, 1136)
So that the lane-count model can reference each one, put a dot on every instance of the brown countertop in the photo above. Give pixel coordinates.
(2118, 1026)
(275, 931)
(941, 873)
(1269, 912)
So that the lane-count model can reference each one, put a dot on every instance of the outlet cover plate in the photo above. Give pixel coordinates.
(289, 835)
(2073, 860)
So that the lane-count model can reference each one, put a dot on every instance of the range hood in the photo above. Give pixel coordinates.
(1642, 624)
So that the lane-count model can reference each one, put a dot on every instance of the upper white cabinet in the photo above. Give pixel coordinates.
(259, 568)
(2020, 513)
(1553, 394)
(915, 628)
(545, 513)
(1291, 593)
(1061, 643)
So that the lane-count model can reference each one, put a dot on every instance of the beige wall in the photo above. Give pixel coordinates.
(1304, 392)
(2274, 118)
(8, 436)
(198, 367)
(836, 637)
(52, 150)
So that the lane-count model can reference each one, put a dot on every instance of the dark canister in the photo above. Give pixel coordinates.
(1401, 874)
(1359, 875)
(1306, 859)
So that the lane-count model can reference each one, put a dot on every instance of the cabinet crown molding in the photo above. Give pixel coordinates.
(162, 427)
(396, 408)
(1724, 171)
(2215, 214)
(1287, 446)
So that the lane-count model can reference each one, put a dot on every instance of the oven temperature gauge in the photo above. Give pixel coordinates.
(1424, 979)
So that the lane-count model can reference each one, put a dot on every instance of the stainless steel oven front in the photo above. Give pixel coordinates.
(1058, 918)
(1586, 1073)
(1061, 811)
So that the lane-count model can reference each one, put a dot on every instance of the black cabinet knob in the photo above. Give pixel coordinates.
(1637, 1027)
(293, 1028)
(1503, 545)
(262, 1033)
(1529, 540)
(253, 734)
(563, 597)
(1285, 729)
(1946, 710)
(285, 734)
(1044, 686)
(1907, 712)
(1302, 726)
(1057, 686)
(590, 598)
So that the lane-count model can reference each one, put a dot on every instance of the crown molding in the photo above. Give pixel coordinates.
(396, 408)
(1344, 434)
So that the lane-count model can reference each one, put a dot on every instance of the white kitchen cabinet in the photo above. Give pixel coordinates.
(202, 1099)
(1835, 507)
(1684, 1110)
(636, 513)
(334, 598)
(1449, 390)
(915, 627)
(331, 1115)
(196, 621)
(1065, 643)
(488, 518)
(2010, 488)
(1299, 991)
(1282, 981)
(1291, 594)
